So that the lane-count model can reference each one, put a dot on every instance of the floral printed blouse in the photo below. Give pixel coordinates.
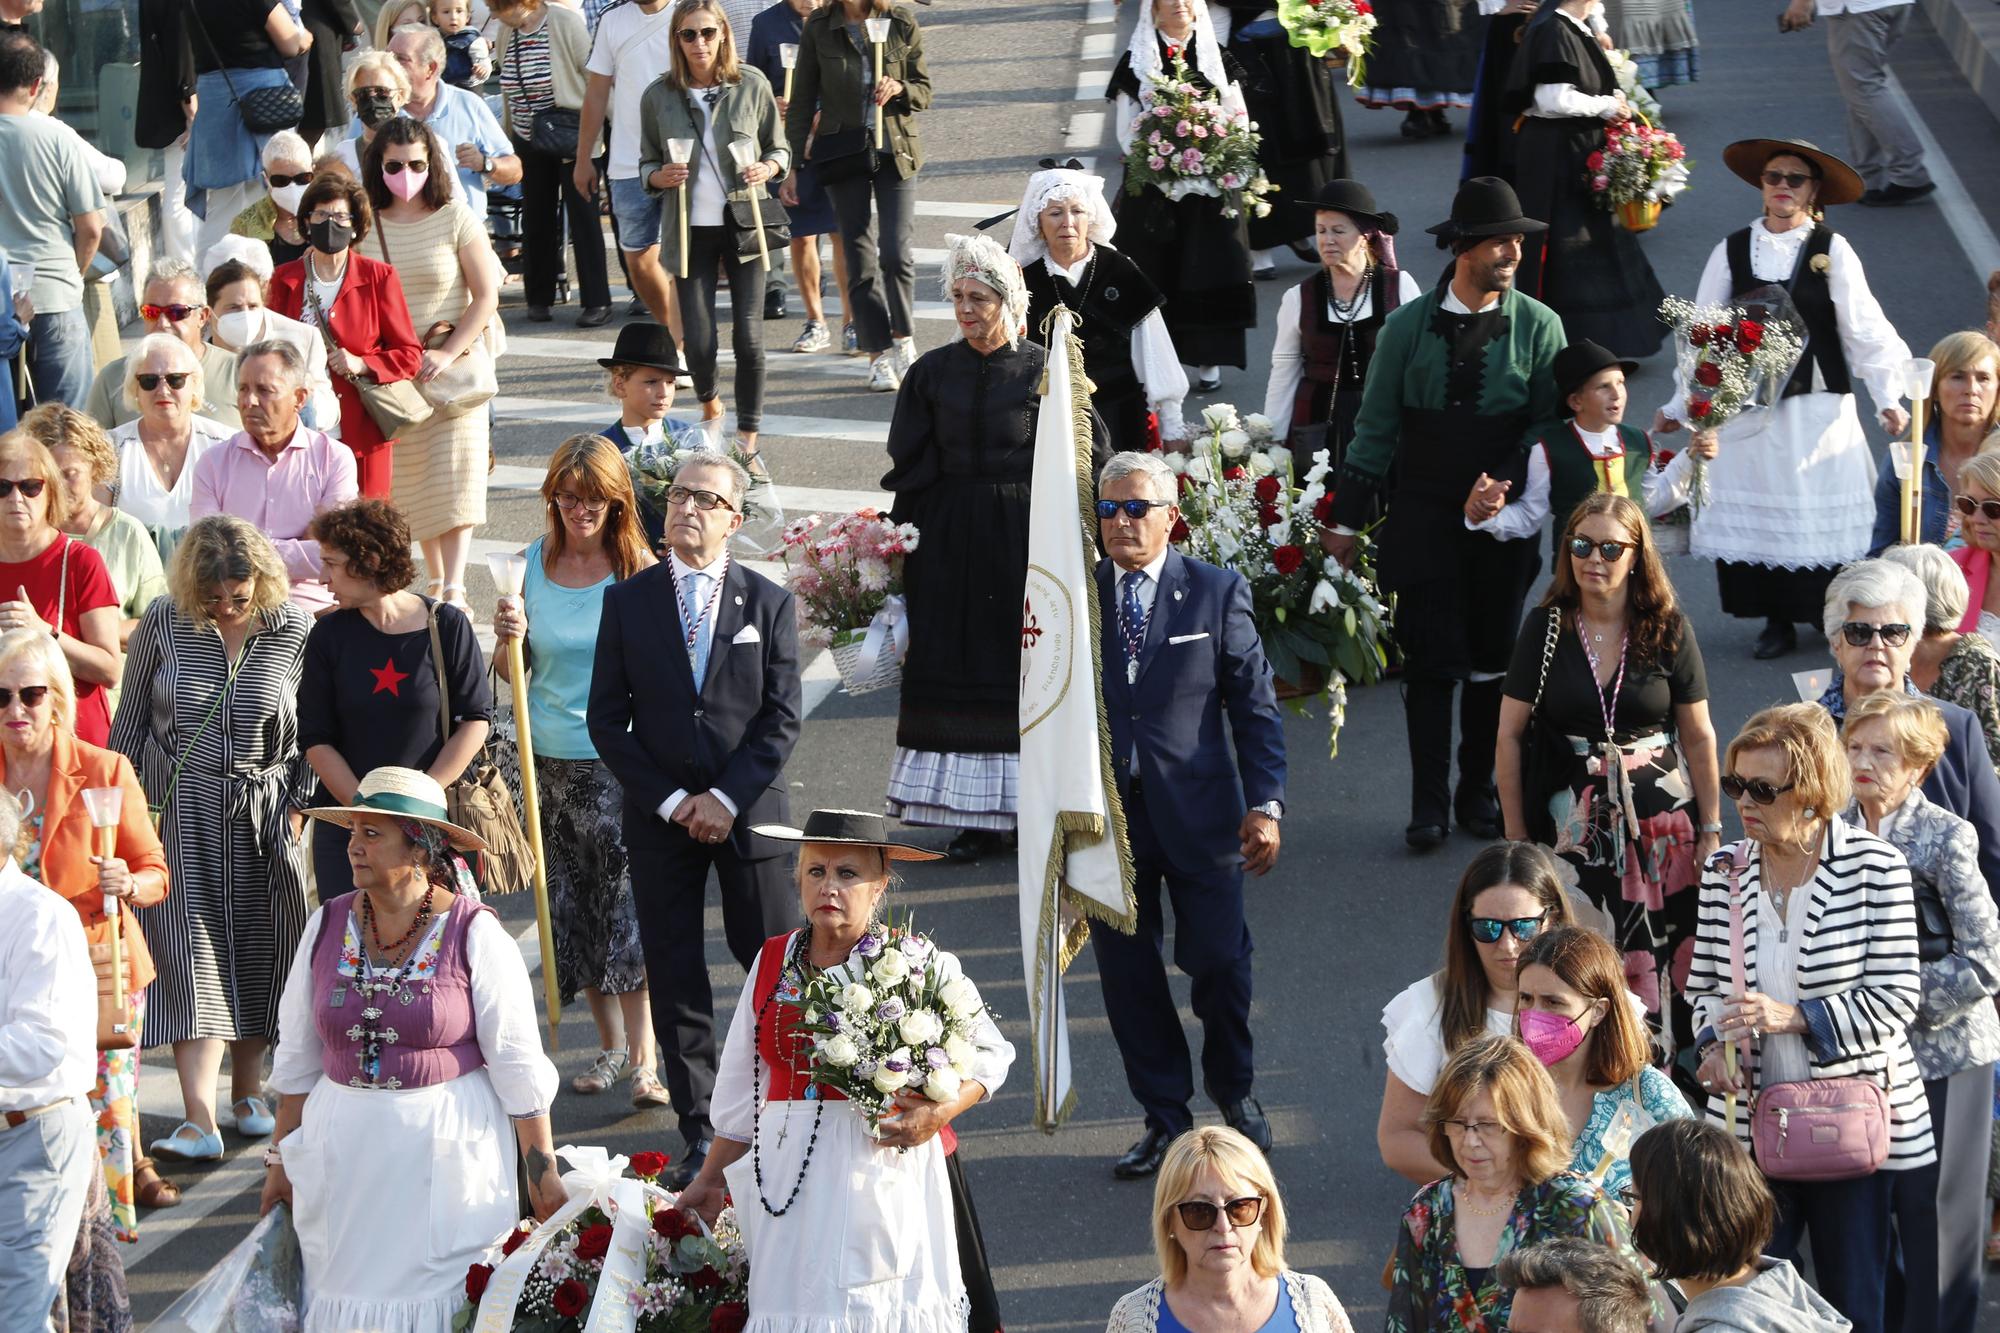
(1969, 676)
(1432, 1293)
(1653, 1098)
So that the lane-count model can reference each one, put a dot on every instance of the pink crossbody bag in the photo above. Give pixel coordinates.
(1818, 1129)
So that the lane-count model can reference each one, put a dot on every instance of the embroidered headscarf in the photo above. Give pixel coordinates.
(441, 862)
(981, 257)
(1045, 188)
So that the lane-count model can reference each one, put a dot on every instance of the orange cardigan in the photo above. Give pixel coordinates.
(66, 849)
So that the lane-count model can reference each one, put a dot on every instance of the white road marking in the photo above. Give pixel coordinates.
(1967, 224)
(1090, 84)
(1086, 130)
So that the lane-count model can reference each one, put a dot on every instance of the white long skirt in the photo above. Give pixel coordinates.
(1793, 488)
(394, 1195)
(869, 1246)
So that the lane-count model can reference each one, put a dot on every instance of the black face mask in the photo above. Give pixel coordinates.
(375, 110)
(329, 237)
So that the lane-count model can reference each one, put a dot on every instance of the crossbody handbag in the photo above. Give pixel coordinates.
(553, 130)
(1535, 765)
(1820, 1129)
(264, 110)
(395, 406)
(844, 155)
(481, 801)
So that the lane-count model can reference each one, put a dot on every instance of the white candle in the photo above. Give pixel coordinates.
(681, 152)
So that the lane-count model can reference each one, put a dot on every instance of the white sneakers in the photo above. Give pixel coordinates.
(883, 377)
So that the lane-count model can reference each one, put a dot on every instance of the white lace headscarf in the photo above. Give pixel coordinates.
(1146, 60)
(1045, 188)
(980, 256)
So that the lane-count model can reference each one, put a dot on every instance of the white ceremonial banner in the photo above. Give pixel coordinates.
(1075, 862)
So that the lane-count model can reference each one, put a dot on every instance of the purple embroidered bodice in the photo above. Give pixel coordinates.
(388, 1034)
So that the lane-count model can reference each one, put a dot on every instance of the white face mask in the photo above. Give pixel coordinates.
(287, 197)
(239, 328)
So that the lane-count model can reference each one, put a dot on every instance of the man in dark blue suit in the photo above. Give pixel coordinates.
(699, 763)
(1181, 655)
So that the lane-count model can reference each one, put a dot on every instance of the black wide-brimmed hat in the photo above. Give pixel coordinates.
(1838, 182)
(1485, 206)
(847, 828)
(644, 344)
(1576, 363)
(1354, 199)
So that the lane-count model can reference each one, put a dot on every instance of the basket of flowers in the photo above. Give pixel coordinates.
(846, 577)
(1638, 172)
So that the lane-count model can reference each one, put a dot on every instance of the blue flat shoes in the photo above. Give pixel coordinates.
(253, 1118)
(188, 1144)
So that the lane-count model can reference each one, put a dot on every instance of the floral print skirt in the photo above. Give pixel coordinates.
(1638, 882)
(590, 881)
(115, 1103)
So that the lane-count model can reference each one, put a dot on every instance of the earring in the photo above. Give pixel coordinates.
(1810, 812)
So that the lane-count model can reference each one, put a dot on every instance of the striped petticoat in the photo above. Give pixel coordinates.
(979, 791)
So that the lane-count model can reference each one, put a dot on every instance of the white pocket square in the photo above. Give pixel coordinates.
(748, 634)
(1187, 638)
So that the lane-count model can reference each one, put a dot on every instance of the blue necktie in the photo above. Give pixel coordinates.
(697, 605)
(1134, 627)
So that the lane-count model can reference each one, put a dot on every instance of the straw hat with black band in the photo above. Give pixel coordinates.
(847, 828)
(1838, 182)
(402, 794)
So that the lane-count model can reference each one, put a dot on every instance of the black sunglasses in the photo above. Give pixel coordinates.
(1199, 1214)
(706, 34)
(31, 695)
(1858, 634)
(1794, 179)
(176, 379)
(1581, 547)
(396, 168)
(1486, 929)
(1108, 509)
(1968, 506)
(280, 182)
(31, 487)
(1759, 790)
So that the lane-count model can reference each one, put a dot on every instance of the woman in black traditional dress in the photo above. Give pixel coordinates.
(1425, 61)
(961, 454)
(1290, 95)
(1191, 248)
(1327, 325)
(1062, 234)
(1588, 269)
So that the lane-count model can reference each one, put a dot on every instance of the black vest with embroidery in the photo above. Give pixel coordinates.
(1115, 296)
(1813, 297)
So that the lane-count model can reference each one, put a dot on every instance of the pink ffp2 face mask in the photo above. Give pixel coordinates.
(406, 184)
(1551, 1038)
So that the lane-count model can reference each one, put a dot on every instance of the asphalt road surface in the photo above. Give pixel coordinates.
(1348, 917)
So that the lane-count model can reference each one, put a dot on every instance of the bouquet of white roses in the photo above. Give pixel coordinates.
(897, 1016)
(653, 465)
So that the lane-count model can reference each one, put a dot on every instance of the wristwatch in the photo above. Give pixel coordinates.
(486, 166)
(1270, 810)
(1716, 827)
(272, 1157)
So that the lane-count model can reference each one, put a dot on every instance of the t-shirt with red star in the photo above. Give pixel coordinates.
(373, 696)
(88, 588)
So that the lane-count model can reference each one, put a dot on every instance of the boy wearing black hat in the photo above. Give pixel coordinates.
(1591, 450)
(642, 367)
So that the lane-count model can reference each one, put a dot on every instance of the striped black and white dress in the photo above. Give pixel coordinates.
(236, 904)
(1856, 977)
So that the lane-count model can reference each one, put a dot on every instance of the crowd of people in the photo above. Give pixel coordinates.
(1650, 1066)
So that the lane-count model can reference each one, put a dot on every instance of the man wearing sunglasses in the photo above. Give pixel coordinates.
(174, 302)
(1180, 653)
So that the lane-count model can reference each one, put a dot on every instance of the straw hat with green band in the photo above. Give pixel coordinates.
(402, 793)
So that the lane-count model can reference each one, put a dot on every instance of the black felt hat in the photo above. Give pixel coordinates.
(644, 344)
(1486, 206)
(1576, 363)
(1354, 199)
(1838, 182)
(849, 828)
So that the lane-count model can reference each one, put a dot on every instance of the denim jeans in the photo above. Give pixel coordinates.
(45, 1166)
(881, 284)
(709, 247)
(59, 358)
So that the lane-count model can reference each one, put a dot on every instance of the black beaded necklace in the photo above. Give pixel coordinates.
(794, 970)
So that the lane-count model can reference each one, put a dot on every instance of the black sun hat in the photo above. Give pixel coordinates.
(643, 344)
(1576, 363)
(1354, 199)
(848, 828)
(1485, 206)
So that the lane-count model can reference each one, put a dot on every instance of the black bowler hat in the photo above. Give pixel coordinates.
(1485, 206)
(644, 344)
(1838, 182)
(1576, 363)
(848, 828)
(1352, 198)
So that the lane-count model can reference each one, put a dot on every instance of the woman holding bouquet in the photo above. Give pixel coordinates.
(1195, 249)
(1796, 501)
(1588, 269)
(844, 1229)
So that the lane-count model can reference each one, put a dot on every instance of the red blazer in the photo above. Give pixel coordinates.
(371, 320)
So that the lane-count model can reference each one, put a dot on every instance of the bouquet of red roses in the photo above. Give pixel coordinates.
(1730, 361)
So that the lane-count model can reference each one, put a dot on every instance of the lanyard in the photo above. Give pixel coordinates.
(693, 623)
(1134, 633)
(1607, 704)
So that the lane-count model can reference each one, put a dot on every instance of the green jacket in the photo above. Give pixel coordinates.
(747, 111)
(832, 77)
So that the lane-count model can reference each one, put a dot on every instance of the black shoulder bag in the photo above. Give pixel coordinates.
(264, 110)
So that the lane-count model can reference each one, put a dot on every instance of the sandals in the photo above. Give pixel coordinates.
(605, 1070)
(150, 1189)
(646, 1089)
(454, 595)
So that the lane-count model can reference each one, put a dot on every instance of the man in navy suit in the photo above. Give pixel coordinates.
(1180, 655)
(699, 764)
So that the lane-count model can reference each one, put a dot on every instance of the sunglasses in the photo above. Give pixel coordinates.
(174, 313)
(239, 602)
(176, 379)
(1108, 509)
(1859, 634)
(1968, 506)
(1581, 547)
(280, 182)
(1486, 929)
(1199, 1214)
(30, 487)
(703, 500)
(1793, 179)
(396, 168)
(31, 695)
(700, 34)
(1757, 789)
